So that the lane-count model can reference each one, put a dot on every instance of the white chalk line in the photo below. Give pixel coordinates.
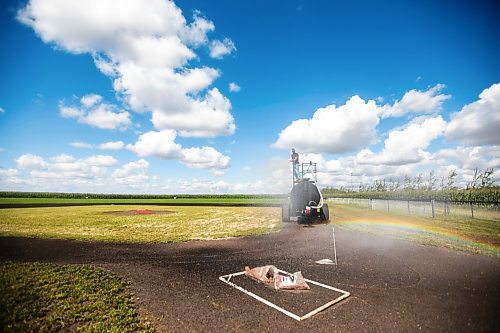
(226, 279)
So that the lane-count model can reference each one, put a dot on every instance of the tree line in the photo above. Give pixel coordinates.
(481, 188)
(63, 195)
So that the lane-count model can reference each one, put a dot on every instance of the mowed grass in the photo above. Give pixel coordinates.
(36, 297)
(456, 232)
(95, 223)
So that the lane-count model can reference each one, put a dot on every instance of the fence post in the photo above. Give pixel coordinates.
(472, 209)
(432, 206)
(408, 207)
(371, 204)
(388, 205)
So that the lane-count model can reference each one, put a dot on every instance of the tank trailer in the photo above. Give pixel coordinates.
(305, 203)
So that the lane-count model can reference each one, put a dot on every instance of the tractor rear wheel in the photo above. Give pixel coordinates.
(325, 213)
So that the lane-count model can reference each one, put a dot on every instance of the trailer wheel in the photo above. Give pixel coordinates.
(325, 213)
(285, 212)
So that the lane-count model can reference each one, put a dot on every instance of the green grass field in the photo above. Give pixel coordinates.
(37, 297)
(95, 223)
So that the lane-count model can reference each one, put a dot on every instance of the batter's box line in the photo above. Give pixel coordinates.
(226, 279)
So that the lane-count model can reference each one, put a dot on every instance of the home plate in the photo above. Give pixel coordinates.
(325, 262)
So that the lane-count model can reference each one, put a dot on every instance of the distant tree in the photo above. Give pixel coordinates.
(452, 174)
(475, 180)
(380, 185)
(408, 183)
(486, 178)
(418, 182)
(431, 182)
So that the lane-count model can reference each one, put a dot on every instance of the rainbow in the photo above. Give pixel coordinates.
(455, 238)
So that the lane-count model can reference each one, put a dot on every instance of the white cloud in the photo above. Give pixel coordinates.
(2, 110)
(218, 49)
(478, 123)
(101, 160)
(146, 50)
(112, 145)
(10, 179)
(65, 173)
(233, 87)
(334, 129)
(30, 161)
(160, 144)
(196, 33)
(399, 149)
(469, 158)
(90, 100)
(132, 173)
(419, 102)
(204, 158)
(96, 114)
(207, 118)
(63, 158)
(200, 186)
(64, 168)
(352, 126)
(81, 144)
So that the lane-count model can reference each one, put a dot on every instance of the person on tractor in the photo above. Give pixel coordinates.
(294, 158)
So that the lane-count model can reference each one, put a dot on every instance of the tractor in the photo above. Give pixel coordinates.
(305, 203)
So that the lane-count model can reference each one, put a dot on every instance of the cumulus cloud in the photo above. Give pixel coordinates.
(112, 145)
(64, 167)
(418, 102)
(219, 49)
(81, 144)
(66, 173)
(399, 149)
(469, 158)
(211, 186)
(162, 144)
(146, 51)
(132, 172)
(96, 114)
(333, 129)
(206, 118)
(204, 158)
(352, 126)
(30, 161)
(159, 144)
(233, 87)
(478, 123)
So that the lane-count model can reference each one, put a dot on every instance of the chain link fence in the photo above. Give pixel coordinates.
(430, 208)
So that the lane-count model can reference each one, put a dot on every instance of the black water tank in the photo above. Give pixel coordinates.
(303, 193)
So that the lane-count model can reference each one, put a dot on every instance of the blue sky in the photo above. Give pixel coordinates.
(209, 96)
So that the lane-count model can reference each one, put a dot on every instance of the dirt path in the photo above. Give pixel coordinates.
(395, 285)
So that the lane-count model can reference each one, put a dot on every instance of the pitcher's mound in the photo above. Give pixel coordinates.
(140, 212)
